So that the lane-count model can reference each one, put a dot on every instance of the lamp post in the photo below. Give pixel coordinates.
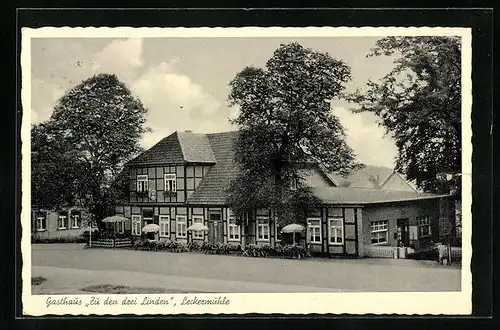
(307, 235)
(90, 233)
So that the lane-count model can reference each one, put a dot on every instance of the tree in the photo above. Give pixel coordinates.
(286, 125)
(98, 125)
(55, 170)
(419, 104)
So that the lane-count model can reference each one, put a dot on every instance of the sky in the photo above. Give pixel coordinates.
(184, 81)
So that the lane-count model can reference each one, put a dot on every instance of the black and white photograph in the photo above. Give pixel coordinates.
(280, 169)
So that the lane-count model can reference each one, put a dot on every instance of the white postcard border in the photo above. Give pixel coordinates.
(453, 303)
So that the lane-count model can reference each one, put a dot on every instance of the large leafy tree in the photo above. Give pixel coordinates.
(55, 170)
(419, 104)
(96, 127)
(286, 125)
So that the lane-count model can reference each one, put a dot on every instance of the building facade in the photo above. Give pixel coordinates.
(183, 180)
(64, 223)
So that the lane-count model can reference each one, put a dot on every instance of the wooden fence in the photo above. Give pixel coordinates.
(112, 243)
(379, 251)
(387, 252)
(456, 254)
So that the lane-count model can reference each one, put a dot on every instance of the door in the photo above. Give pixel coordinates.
(215, 227)
(403, 232)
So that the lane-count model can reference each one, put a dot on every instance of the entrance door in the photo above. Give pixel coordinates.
(403, 232)
(215, 228)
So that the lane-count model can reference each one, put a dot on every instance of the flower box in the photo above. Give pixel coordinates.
(168, 193)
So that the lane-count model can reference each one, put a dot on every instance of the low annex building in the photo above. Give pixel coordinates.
(184, 178)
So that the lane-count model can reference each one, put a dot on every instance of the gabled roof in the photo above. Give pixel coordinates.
(219, 149)
(343, 195)
(409, 184)
(367, 177)
(177, 148)
(195, 147)
(213, 187)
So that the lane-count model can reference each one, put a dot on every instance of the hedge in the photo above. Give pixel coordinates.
(251, 250)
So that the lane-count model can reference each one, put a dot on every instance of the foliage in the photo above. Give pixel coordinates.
(55, 170)
(78, 153)
(122, 289)
(37, 280)
(429, 253)
(419, 104)
(54, 240)
(284, 251)
(220, 248)
(251, 250)
(286, 126)
(166, 245)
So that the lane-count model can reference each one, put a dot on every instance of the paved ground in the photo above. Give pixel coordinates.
(70, 267)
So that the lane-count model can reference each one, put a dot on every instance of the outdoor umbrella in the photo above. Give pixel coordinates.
(293, 228)
(114, 219)
(151, 228)
(198, 227)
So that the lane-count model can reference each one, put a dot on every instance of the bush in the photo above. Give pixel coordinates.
(167, 245)
(76, 239)
(283, 251)
(38, 280)
(429, 253)
(194, 246)
(251, 250)
(220, 248)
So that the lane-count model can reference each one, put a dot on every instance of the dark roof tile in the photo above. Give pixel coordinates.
(367, 177)
(213, 188)
(342, 195)
(177, 148)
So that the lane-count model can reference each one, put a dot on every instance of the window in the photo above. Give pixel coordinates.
(262, 228)
(142, 183)
(76, 221)
(62, 221)
(336, 233)
(424, 226)
(147, 216)
(136, 225)
(198, 219)
(314, 230)
(41, 223)
(181, 226)
(293, 184)
(121, 227)
(233, 229)
(379, 233)
(170, 182)
(164, 226)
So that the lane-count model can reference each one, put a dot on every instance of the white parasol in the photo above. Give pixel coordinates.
(151, 228)
(114, 219)
(198, 227)
(293, 228)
